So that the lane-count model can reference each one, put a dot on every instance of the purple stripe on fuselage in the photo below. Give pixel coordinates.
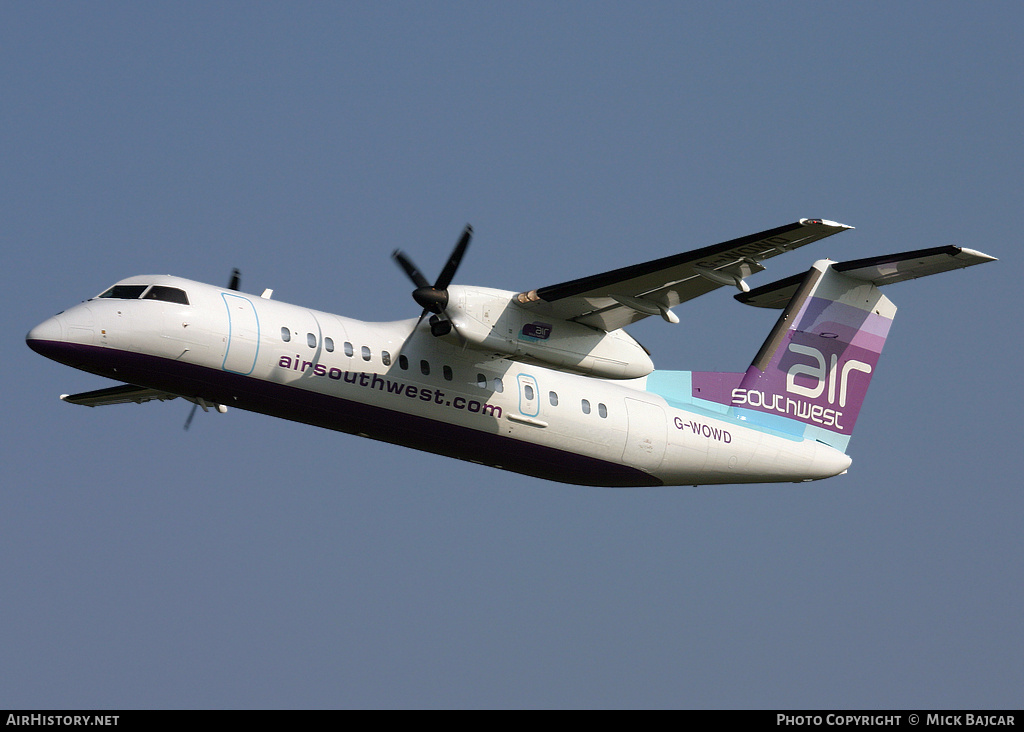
(344, 415)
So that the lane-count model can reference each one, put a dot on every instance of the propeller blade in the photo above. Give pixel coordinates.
(434, 298)
(234, 282)
(445, 278)
(191, 414)
(410, 269)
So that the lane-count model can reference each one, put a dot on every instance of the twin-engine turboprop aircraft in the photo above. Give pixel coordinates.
(544, 382)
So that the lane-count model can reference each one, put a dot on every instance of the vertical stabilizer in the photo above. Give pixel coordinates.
(809, 379)
(816, 364)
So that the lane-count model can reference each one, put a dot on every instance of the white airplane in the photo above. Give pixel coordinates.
(544, 382)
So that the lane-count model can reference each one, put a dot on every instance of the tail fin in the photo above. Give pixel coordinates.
(817, 363)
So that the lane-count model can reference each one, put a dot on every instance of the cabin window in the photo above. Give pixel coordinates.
(425, 367)
(498, 385)
(286, 335)
(403, 362)
(528, 392)
(167, 294)
(448, 375)
(329, 345)
(348, 349)
(602, 410)
(385, 358)
(481, 381)
(553, 398)
(311, 340)
(586, 406)
(124, 292)
(366, 353)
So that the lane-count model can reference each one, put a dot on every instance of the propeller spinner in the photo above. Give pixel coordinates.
(434, 298)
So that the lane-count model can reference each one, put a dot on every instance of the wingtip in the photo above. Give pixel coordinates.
(825, 222)
(980, 256)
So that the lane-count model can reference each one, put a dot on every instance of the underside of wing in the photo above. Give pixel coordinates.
(124, 394)
(615, 299)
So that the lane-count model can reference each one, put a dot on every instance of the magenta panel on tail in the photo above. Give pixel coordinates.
(816, 365)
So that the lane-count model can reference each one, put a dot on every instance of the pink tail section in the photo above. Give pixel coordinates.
(810, 377)
(817, 363)
(812, 373)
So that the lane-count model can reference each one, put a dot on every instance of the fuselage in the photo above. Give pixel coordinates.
(395, 382)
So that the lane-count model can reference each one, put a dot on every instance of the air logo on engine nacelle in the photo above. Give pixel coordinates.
(535, 332)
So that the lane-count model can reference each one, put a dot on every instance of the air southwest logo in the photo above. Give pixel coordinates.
(822, 378)
(534, 332)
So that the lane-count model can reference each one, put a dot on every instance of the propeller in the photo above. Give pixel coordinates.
(434, 298)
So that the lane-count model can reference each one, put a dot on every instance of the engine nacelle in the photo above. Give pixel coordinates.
(491, 320)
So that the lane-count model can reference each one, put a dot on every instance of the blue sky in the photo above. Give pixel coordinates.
(252, 562)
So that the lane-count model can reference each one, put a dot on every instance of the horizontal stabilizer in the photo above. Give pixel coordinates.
(124, 394)
(879, 271)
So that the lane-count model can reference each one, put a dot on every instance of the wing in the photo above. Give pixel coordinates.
(117, 395)
(615, 299)
(879, 271)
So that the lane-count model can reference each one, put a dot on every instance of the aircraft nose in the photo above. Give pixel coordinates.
(48, 332)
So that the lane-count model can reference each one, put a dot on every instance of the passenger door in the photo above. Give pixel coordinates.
(529, 395)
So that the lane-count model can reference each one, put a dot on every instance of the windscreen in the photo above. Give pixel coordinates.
(124, 292)
(167, 294)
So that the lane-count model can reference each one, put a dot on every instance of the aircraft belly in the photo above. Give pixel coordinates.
(442, 428)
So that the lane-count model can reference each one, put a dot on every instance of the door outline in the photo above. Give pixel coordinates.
(646, 435)
(243, 346)
(528, 407)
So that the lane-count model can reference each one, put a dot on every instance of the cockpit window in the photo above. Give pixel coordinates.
(124, 292)
(167, 294)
